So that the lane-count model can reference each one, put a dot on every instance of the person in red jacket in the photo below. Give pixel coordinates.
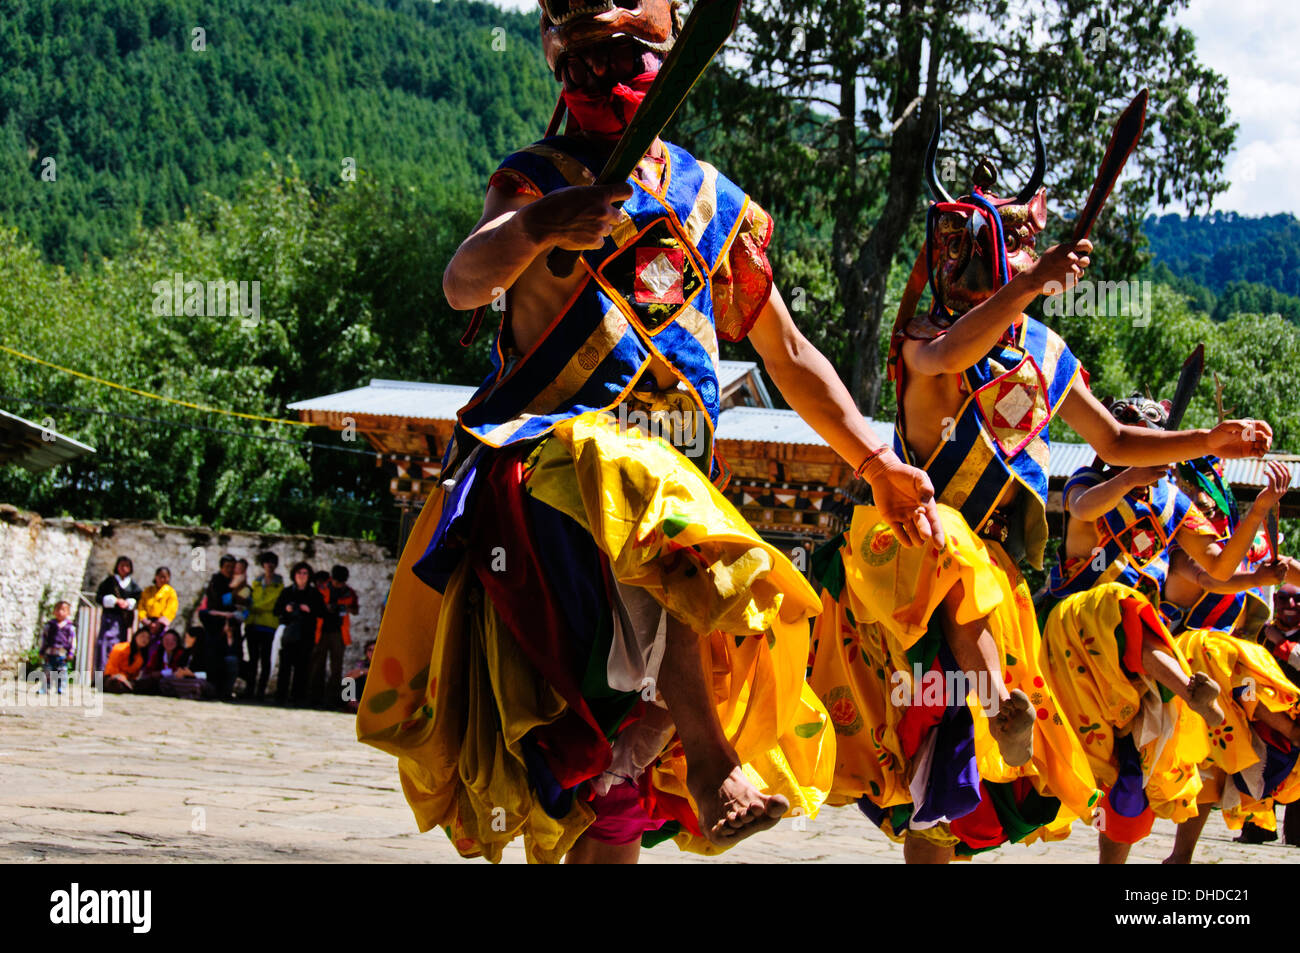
(333, 634)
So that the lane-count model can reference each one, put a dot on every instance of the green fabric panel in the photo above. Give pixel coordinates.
(827, 566)
(1021, 820)
(667, 832)
(926, 648)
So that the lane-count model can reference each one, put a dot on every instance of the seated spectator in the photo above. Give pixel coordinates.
(187, 678)
(126, 663)
(159, 603)
(259, 632)
(299, 608)
(118, 594)
(58, 642)
(164, 656)
(358, 677)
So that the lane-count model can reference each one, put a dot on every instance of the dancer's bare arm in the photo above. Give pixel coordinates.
(1183, 565)
(810, 385)
(1128, 446)
(1094, 502)
(515, 229)
(975, 332)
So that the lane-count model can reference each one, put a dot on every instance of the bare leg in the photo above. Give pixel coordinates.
(1111, 852)
(1186, 836)
(1279, 722)
(919, 850)
(1011, 719)
(588, 850)
(1199, 691)
(731, 807)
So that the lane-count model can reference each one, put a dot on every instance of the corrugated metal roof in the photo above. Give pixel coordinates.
(778, 426)
(417, 400)
(35, 448)
(393, 399)
(1068, 457)
(1251, 472)
(729, 372)
(422, 401)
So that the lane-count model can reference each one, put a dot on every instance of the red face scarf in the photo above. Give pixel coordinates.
(607, 114)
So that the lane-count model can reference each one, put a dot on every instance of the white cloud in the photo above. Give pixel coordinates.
(1253, 43)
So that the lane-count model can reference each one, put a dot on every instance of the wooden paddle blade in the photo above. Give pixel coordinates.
(1124, 138)
(1188, 379)
(1270, 525)
(702, 36)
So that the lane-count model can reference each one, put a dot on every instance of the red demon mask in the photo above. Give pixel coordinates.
(572, 25)
(978, 242)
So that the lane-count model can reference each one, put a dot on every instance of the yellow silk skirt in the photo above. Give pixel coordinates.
(860, 662)
(1233, 746)
(452, 695)
(1098, 698)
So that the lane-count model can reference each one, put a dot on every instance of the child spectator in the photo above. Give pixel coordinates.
(58, 642)
(118, 594)
(126, 663)
(333, 633)
(159, 603)
(259, 633)
(299, 607)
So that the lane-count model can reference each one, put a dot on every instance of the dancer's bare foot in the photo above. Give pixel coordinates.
(1203, 698)
(1013, 729)
(731, 808)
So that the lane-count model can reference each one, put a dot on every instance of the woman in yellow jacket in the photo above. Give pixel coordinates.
(259, 630)
(159, 603)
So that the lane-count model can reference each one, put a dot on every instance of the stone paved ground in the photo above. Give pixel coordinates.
(157, 779)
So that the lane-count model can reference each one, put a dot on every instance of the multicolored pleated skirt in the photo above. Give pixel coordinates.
(515, 673)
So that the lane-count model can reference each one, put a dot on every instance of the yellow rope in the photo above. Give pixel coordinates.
(143, 393)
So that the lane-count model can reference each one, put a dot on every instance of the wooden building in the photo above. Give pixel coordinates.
(786, 480)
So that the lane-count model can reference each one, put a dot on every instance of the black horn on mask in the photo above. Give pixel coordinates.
(1040, 160)
(937, 192)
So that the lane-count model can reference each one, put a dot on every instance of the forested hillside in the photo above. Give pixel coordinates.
(1224, 247)
(114, 112)
(131, 156)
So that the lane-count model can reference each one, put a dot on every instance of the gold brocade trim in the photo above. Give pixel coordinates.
(706, 205)
(574, 172)
(694, 321)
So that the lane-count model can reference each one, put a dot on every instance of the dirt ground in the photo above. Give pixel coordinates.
(163, 780)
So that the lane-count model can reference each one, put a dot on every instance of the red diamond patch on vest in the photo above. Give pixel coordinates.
(659, 275)
(1014, 405)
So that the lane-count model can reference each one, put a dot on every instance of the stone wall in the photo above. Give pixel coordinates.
(42, 561)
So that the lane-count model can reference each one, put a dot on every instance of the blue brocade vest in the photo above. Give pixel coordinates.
(1001, 435)
(648, 294)
(1135, 538)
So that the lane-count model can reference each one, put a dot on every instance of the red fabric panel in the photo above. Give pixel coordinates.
(575, 746)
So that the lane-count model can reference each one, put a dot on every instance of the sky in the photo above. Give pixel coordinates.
(1254, 43)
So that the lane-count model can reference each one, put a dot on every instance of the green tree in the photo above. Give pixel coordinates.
(878, 73)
